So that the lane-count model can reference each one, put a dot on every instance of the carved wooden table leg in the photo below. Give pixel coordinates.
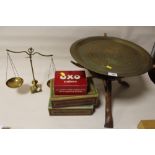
(108, 106)
(123, 83)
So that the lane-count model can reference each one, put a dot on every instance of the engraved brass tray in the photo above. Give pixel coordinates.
(111, 56)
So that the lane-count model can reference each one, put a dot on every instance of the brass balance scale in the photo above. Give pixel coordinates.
(17, 81)
(110, 58)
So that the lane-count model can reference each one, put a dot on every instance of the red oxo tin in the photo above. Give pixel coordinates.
(70, 83)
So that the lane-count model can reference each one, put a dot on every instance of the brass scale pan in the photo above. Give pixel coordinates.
(111, 56)
(14, 82)
(48, 83)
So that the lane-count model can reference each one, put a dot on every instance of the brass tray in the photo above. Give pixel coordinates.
(111, 56)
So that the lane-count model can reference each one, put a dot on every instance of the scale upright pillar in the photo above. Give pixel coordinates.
(35, 88)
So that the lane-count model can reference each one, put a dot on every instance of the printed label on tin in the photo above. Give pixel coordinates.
(70, 83)
(112, 74)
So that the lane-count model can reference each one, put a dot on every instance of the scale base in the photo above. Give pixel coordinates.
(35, 88)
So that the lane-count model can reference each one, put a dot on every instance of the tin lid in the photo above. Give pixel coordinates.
(70, 78)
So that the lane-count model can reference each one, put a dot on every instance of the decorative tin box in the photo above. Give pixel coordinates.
(70, 83)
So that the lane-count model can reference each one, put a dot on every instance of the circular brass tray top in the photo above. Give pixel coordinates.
(15, 82)
(111, 56)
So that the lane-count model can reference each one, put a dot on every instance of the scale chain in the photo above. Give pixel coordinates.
(12, 65)
(7, 68)
(52, 65)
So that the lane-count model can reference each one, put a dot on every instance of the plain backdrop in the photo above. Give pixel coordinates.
(20, 109)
